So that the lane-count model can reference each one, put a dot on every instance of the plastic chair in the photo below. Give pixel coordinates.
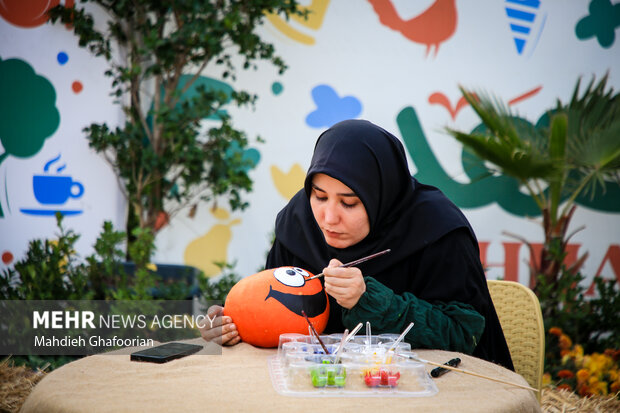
(519, 314)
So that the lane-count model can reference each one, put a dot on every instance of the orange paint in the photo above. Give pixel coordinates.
(77, 87)
(441, 99)
(31, 13)
(262, 306)
(431, 27)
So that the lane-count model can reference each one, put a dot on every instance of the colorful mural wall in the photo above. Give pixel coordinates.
(397, 63)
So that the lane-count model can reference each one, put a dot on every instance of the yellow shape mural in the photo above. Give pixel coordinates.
(205, 251)
(316, 14)
(290, 182)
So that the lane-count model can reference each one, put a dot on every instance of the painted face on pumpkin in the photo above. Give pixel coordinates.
(313, 305)
(269, 303)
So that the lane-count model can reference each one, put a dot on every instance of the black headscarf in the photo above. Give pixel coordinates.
(410, 218)
(404, 215)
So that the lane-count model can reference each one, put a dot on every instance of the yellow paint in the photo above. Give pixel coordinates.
(288, 183)
(205, 251)
(316, 15)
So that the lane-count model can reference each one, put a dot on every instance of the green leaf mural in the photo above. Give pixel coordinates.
(485, 186)
(28, 113)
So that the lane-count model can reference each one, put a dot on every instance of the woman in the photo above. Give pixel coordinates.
(359, 198)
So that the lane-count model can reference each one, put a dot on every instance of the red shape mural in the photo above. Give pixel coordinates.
(30, 13)
(432, 27)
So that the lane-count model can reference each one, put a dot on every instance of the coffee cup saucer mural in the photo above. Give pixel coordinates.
(271, 302)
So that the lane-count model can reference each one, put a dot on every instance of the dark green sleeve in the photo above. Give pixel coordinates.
(448, 326)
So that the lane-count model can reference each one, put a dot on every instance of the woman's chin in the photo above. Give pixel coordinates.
(337, 243)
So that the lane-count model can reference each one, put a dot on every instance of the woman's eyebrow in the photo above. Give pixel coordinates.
(347, 194)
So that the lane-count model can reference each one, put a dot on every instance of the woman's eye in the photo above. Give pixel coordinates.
(344, 204)
(320, 198)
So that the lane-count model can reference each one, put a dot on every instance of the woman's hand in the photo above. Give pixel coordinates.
(219, 328)
(346, 285)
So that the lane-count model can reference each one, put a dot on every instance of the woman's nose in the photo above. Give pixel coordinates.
(331, 214)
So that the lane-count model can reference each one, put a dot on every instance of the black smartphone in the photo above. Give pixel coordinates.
(165, 352)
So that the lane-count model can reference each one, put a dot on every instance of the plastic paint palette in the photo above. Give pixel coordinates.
(363, 368)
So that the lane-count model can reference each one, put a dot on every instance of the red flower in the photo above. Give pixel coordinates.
(565, 386)
(566, 374)
(584, 391)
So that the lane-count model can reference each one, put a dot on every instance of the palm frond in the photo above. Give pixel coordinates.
(516, 162)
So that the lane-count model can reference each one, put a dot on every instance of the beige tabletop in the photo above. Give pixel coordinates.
(238, 380)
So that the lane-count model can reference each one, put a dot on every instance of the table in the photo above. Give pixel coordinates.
(238, 380)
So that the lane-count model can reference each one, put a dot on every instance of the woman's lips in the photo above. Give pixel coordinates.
(332, 234)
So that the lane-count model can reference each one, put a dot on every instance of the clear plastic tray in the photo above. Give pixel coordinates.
(303, 369)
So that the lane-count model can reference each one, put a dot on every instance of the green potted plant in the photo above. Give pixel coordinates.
(572, 150)
(157, 53)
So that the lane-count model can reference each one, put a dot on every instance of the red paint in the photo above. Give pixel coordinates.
(511, 259)
(524, 96)
(77, 86)
(31, 13)
(162, 220)
(441, 99)
(7, 257)
(613, 257)
(431, 27)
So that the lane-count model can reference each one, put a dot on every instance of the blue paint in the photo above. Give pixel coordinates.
(520, 43)
(62, 58)
(330, 108)
(49, 212)
(529, 3)
(520, 15)
(519, 29)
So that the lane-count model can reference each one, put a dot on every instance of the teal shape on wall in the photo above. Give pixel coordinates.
(602, 22)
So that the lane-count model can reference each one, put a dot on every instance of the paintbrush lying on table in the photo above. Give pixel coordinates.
(352, 263)
(471, 373)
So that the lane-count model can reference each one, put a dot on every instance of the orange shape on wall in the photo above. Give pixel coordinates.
(432, 27)
(31, 13)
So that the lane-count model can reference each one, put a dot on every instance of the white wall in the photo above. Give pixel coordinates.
(357, 56)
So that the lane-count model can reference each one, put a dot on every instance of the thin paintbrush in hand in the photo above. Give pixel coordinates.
(352, 263)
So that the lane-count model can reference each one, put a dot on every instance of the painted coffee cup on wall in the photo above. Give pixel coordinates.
(55, 189)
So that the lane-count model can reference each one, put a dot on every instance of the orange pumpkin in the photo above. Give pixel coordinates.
(269, 303)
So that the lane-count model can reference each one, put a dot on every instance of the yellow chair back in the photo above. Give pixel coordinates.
(519, 314)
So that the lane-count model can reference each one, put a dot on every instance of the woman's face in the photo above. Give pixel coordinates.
(338, 211)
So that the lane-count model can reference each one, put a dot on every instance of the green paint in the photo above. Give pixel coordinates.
(484, 187)
(28, 113)
(277, 88)
(601, 23)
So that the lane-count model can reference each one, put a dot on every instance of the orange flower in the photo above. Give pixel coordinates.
(546, 379)
(565, 342)
(601, 388)
(614, 387)
(556, 331)
(582, 375)
(566, 374)
(565, 386)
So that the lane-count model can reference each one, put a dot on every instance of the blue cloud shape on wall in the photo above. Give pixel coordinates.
(330, 108)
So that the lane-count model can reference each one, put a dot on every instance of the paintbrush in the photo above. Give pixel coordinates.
(346, 337)
(352, 263)
(444, 366)
(313, 330)
(388, 357)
